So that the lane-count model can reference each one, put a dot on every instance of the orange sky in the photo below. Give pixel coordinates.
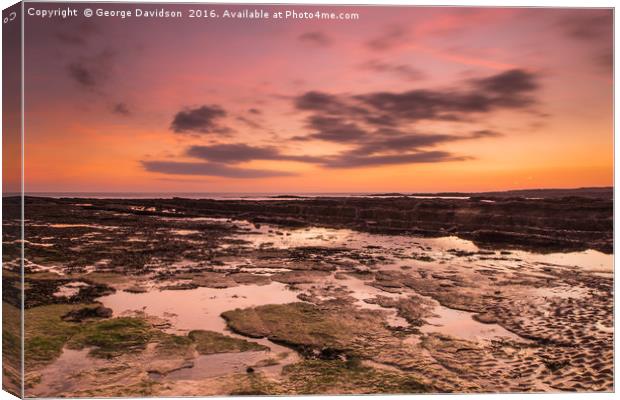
(403, 99)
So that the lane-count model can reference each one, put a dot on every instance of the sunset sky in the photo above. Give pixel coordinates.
(403, 99)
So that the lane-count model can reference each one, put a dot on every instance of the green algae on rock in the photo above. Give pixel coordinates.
(209, 342)
(314, 331)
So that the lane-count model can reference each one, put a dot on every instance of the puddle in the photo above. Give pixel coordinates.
(590, 260)
(460, 324)
(405, 250)
(64, 374)
(77, 226)
(184, 232)
(198, 308)
(316, 236)
(213, 365)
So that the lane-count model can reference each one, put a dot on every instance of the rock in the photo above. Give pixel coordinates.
(209, 342)
(87, 313)
(314, 331)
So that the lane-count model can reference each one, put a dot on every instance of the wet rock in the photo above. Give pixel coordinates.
(243, 278)
(485, 318)
(520, 222)
(136, 289)
(180, 286)
(314, 331)
(209, 342)
(87, 313)
(297, 277)
(42, 291)
(414, 309)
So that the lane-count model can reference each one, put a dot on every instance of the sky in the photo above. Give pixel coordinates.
(406, 99)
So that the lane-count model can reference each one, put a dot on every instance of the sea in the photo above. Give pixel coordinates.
(226, 196)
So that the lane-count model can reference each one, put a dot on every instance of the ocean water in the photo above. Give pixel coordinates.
(219, 196)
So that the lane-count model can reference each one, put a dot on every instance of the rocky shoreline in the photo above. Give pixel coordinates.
(542, 224)
(144, 297)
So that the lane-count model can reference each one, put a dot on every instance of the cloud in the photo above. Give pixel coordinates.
(204, 119)
(484, 133)
(121, 109)
(249, 122)
(589, 25)
(342, 117)
(401, 70)
(315, 100)
(384, 148)
(393, 36)
(318, 39)
(594, 28)
(507, 90)
(389, 140)
(387, 146)
(239, 152)
(91, 73)
(221, 160)
(379, 128)
(209, 169)
(375, 128)
(82, 75)
(327, 104)
(334, 129)
(351, 161)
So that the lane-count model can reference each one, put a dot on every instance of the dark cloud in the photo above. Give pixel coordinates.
(391, 37)
(507, 90)
(510, 89)
(121, 109)
(389, 140)
(390, 146)
(387, 147)
(221, 160)
(204, 119)
(379, 127)
(318, 39)
(209, 169)
(239, 152)
(249, 122)
(589, 25)
(318, 101)
(401, 70)
(327, 104)
(255, 111)
(334, 129)
(82, 74)
(595, 29)
(91, 73)
(349, 160)
(484, 134)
